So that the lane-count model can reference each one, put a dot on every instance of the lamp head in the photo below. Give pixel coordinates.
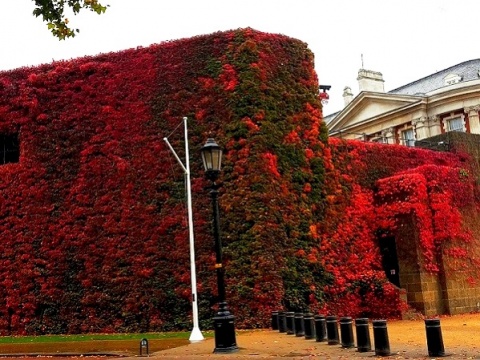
(212, 159)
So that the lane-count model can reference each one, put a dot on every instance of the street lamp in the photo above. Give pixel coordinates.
(223, 321)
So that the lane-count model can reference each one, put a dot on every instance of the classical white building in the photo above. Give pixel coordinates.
(448, 100)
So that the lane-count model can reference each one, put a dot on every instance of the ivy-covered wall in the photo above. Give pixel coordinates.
(425, 201)
(93, 233)
(92, 217)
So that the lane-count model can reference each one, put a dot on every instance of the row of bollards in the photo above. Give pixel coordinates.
(325, 328)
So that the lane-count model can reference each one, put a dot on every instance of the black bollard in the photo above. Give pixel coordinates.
(332, 330)
(299, 330)
(363, 335)
(274, 320)
(308, 326)
(434, 337)
(320, 328)
(282, 327)
(346, 332)
(289, 320)
(380, 338)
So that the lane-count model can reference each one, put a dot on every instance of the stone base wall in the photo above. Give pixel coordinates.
(456, 288)
(461, 293)
(432, 294)
(413, 288)
(424, 292)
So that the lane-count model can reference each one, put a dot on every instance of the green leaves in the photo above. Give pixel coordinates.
(52, 12)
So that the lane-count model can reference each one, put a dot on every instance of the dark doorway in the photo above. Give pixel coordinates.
(388, 250)
(9, 149)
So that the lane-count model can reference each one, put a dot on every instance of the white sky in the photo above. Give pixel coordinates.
(403, 39)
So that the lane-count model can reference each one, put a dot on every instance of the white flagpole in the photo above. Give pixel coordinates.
(196, 334)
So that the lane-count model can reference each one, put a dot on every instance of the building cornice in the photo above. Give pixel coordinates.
(366, 97)
(384, 117)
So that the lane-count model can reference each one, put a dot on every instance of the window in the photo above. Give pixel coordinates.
(451, 79)
(455, 124)
(380, 140)
(408, 137)
(9, 149)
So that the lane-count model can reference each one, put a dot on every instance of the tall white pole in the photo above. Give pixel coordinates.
(196, 334)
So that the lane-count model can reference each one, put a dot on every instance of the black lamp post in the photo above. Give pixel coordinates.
(223, 321)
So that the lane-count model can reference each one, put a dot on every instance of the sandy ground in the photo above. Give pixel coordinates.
(407, 339)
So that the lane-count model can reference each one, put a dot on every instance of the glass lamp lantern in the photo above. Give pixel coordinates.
(212, 159)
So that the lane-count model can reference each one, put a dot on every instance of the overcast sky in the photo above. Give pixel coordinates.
(403, 39)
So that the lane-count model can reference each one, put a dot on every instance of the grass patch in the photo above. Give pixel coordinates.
(97, 337)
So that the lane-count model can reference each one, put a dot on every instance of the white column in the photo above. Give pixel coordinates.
(434, 125)
(473, 118)
(421, 128)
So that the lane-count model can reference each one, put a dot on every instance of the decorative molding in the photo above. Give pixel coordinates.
(470, 109)
(387, 131)
(419, 121)
(451, 79)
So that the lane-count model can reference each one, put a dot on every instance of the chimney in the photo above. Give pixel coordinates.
(370, 81)
(347, 95)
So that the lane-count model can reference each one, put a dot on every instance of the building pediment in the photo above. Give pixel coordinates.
(368, 105)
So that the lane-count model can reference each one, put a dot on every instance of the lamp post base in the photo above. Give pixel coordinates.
(223, 322)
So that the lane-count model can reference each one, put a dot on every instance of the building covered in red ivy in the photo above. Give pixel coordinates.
(92, 205)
